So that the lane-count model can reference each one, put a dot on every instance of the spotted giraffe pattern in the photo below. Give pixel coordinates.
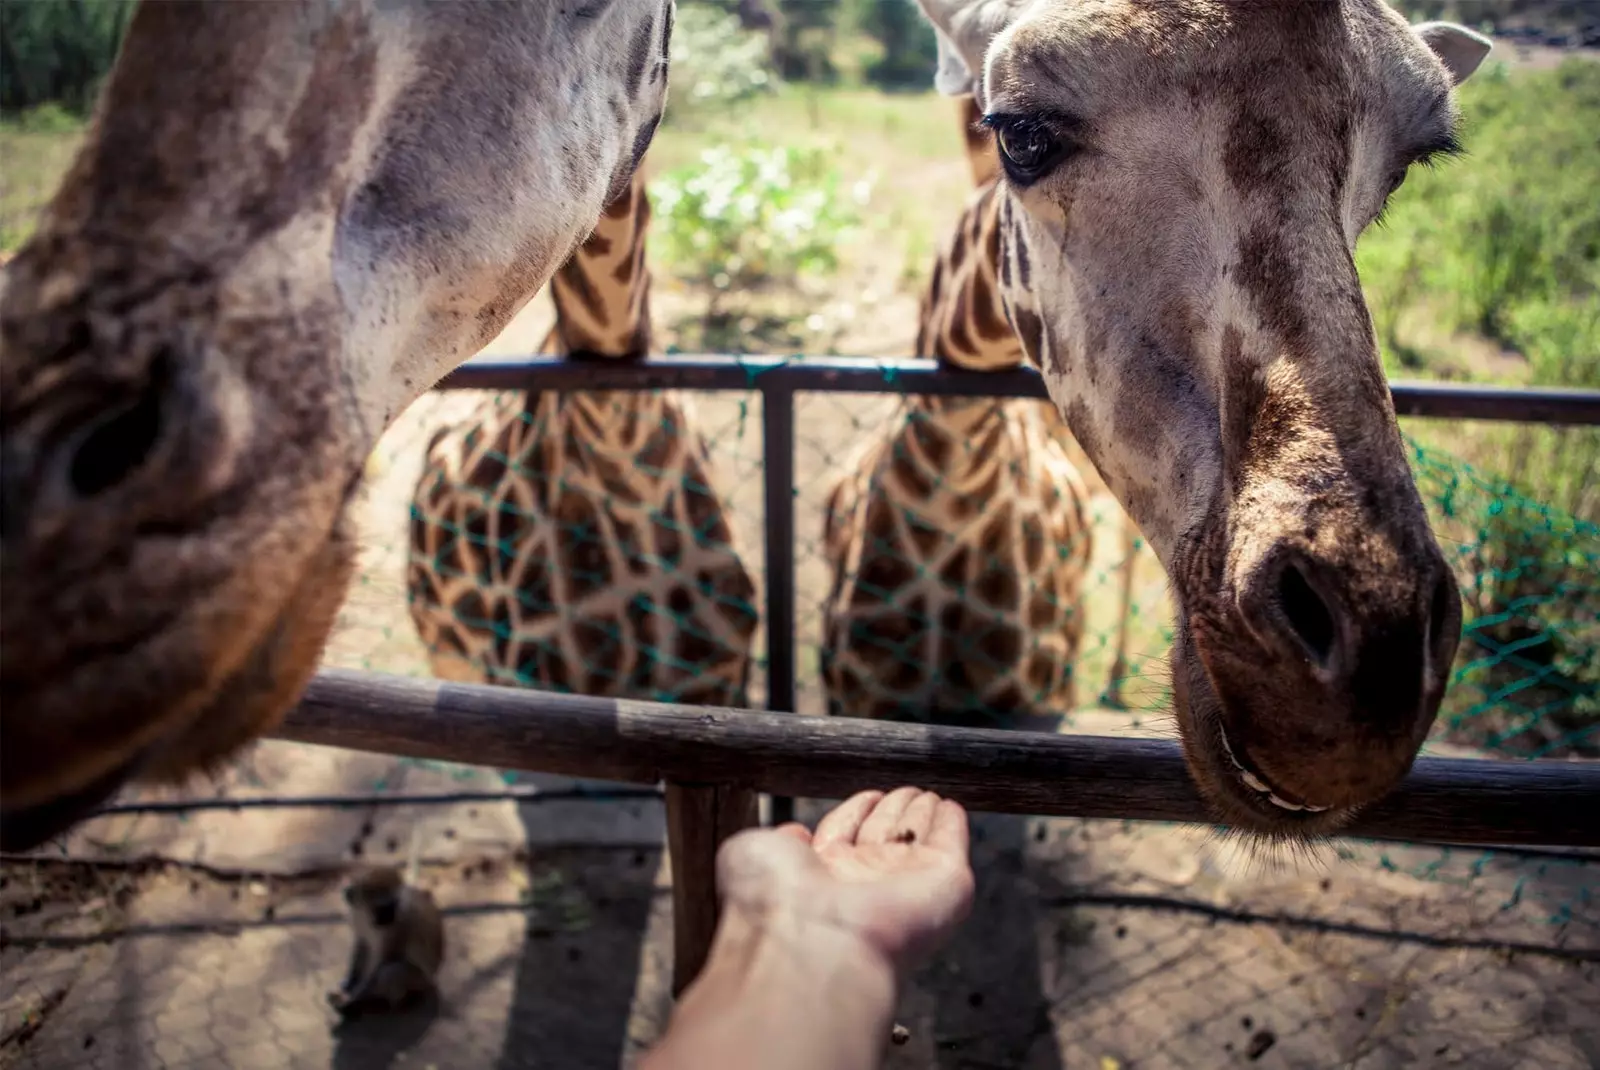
(964, 323)
(959, 540)
(576, 541)
(935, 532)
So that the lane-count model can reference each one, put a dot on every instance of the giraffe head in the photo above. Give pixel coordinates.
(1184, 184)
(287, 220)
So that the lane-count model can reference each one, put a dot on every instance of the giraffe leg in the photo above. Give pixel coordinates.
(1119, 662)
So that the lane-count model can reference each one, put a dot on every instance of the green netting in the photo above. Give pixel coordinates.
(1527, 679)
(1525, 683)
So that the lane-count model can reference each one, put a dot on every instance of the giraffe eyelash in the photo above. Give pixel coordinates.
(1446, 146)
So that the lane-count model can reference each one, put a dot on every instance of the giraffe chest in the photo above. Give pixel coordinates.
(959, 547)
(582, 540)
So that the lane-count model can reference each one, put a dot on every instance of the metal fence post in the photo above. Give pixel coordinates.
(777, 444)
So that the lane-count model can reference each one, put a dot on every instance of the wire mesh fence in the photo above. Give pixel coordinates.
(207, 938)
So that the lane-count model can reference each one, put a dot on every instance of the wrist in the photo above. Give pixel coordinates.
(761, 942)
(770, 977)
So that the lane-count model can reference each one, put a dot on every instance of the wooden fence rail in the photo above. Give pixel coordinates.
(714, 760)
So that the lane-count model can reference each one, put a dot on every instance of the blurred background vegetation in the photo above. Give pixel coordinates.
(806, 174)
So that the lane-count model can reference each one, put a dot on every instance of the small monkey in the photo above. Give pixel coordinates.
(399, 939)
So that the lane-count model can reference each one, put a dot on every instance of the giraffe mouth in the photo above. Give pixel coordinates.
(1257, 784)
(1238, 793)
(211, 725)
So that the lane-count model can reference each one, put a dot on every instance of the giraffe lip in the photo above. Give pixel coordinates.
(1241, 793)
(1257, 784)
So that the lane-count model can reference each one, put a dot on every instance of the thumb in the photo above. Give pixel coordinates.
(755, 863)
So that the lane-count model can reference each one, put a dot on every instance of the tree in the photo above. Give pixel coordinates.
(58, 51)
(909, 50)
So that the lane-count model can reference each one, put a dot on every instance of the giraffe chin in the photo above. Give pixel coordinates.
(25, 829)
(244, 706)
(1237, 795)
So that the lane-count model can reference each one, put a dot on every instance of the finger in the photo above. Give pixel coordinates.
(949, 832)
(843, 822)
(795, 829)
(917, 822)
(883, 823)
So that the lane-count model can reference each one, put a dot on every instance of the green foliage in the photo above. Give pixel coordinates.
(58, 51)
(745, 227)
(909, 52)
(1528, 674)
(753, 216)
(807, 40)
(1507, 242)
(716, 63)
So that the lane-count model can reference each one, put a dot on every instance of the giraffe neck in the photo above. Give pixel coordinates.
(963, 324)
(963, 318)
(602, 292)
(602, 299)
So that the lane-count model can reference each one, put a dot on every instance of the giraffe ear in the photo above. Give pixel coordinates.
(952, 77)
(963, 30)
(1458, 48)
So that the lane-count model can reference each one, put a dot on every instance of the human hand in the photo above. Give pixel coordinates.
(890, 869)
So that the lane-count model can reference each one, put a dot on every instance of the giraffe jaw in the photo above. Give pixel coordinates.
(27, 828)
(194, 733)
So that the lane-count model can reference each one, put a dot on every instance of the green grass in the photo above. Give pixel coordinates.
(35, 150)
(1503, 244)
(1488, 268)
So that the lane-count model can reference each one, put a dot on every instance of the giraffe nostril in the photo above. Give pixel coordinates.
(1308, 615)
(118, 444)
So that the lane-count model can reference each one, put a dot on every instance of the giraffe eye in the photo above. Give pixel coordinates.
(1396, 180)
(1027, 147)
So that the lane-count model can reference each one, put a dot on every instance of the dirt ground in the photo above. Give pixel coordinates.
(1092, 945)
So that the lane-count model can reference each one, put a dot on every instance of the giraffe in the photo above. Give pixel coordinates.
(960, 538)
(288, 220)
(576, 541)
(1183, 185)
(984, 161)
(285, 222)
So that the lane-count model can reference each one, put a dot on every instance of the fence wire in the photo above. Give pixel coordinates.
(172, 938)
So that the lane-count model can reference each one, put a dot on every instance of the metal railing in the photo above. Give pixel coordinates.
(779, 379)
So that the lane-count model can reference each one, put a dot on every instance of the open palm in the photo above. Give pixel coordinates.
(892, 869)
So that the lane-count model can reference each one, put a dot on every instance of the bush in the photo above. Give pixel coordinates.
(752, 217)
(743, 228)
(808, 40)
(1527, 676)
(909, 50)
(1506, 243)
(59, 51)
(716, 63)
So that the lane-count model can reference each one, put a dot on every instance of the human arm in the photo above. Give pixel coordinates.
(816, 932)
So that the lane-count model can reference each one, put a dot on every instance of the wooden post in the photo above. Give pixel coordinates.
(699, 818)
